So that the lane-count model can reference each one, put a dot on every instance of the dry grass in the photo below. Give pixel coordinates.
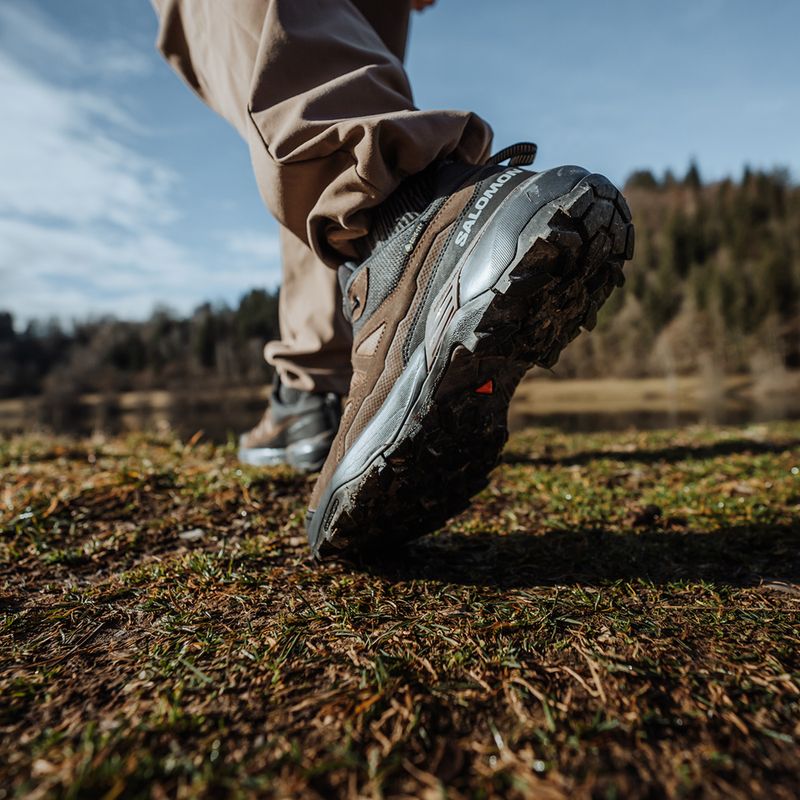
(616, 616)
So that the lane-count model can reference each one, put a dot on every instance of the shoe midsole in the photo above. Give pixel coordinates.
(262, 456)
(497, 251)
(307, 454)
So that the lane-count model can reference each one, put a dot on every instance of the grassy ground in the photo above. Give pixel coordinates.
(617, 616)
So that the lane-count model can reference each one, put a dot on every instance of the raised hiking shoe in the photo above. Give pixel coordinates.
(473, 275)
(297, 429)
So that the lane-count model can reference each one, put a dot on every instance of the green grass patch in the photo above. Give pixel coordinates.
(617, 615)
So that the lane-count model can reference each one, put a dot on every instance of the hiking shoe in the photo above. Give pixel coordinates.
(297, 429)
(472, 276)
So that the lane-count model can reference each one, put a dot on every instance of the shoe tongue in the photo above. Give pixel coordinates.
(399, 210)
(411, 198)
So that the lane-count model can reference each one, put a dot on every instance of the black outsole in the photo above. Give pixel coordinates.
(451, 445)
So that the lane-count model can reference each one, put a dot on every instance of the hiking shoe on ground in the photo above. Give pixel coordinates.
(297, 429)
(472, 275)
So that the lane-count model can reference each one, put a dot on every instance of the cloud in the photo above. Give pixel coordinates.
(74, 272)
(62, 158)
(27, 33)
(24, 26)
(87, 219)
(119, 59)
(262, 246)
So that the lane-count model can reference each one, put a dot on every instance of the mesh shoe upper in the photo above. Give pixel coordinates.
(292, 416)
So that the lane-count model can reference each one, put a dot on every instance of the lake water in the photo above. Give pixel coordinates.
(582, 406)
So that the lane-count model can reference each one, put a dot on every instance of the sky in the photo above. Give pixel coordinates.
(120, 191)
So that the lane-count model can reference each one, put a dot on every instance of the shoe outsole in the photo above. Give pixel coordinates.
(452, 443)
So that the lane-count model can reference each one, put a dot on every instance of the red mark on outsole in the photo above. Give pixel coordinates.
(487, 388)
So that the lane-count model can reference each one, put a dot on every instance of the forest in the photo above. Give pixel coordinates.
(714, 284)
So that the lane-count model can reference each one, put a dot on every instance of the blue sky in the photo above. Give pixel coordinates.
(120, 191)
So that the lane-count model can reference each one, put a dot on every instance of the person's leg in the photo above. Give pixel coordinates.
(313, 353)
(389, 19)
(325, 106)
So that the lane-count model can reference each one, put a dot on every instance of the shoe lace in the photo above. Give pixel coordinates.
(521, 154)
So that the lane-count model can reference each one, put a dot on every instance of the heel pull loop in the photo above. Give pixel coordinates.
(521, 154)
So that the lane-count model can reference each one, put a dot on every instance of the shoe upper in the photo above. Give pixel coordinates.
(418, 238)
(292, 416)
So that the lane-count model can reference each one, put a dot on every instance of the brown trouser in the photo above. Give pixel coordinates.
(318, 91)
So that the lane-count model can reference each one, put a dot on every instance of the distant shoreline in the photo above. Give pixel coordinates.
(545, 392)
(570, 404)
